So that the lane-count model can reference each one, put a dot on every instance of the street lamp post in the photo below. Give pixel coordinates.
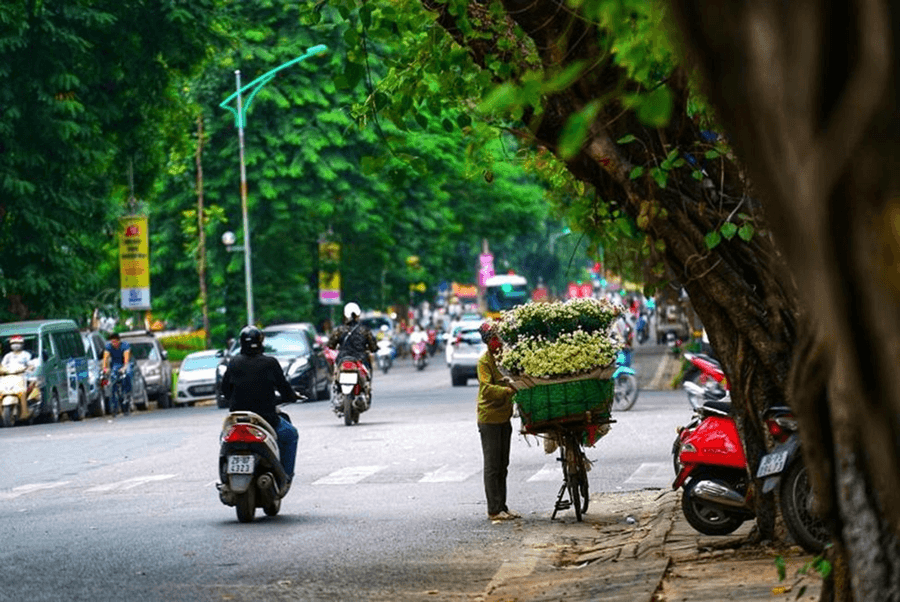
(240, 117)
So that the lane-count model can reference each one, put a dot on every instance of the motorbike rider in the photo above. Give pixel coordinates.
(17, 359)
(418, 336)
(353, 340)
(249, 384)
(117, 356)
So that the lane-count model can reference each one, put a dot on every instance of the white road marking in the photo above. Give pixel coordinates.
(660, 474)
(550, 472)
(29, 488)
(129, 483)
(349, 475)
(448, 474)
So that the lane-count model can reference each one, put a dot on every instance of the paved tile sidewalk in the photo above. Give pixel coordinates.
(637, 547)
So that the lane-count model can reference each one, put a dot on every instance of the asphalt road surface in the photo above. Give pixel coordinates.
(390, 509)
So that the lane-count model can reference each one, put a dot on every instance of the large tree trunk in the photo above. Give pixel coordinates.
(808, 92)
(741, 290)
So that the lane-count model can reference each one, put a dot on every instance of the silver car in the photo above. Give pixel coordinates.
(153, 361)
(467, 348)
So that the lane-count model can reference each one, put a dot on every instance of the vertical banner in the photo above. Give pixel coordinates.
(329, 273)
(134, 262)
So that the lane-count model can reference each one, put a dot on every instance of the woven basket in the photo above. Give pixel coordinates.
(588, 400)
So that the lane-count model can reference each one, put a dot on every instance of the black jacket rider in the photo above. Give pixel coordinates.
(250, 382)
(355, 340)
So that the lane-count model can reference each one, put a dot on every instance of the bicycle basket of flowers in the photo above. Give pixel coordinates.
(560, 357)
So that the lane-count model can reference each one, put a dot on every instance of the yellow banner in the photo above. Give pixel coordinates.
(134, 262)
(329, 273)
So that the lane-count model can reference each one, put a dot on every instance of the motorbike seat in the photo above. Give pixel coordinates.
(717, 407)
(707, 358)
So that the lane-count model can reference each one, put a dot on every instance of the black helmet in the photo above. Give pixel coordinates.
(251, 340)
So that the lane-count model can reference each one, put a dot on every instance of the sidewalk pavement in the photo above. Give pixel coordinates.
(638, 547)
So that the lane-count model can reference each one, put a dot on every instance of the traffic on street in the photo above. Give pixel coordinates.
(126, 508)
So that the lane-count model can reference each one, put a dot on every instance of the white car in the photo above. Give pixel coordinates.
(453, 332)
(197, 377)
(467, 348)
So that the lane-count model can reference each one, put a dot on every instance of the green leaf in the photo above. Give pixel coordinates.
(660, 176)
(655, 109)
(636, 173)
(697, 174)
(626, 139)
(746, 232)
(712, 240)
(711, 154)
(575, 130)
(500, 98)
(781, 567)
(728, 230)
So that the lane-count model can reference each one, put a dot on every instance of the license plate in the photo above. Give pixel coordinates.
(241, 464)
(347, 378)
(772, 463)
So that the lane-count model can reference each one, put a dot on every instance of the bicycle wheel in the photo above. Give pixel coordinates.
(575, 474)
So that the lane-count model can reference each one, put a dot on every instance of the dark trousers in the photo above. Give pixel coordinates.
(495, 441)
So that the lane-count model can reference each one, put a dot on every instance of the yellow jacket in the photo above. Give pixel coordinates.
(494, 398)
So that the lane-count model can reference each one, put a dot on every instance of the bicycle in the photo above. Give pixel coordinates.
(575, 480)
(118, 397)
(568, 435)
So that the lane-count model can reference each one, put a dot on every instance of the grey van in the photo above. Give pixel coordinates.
(62, 365)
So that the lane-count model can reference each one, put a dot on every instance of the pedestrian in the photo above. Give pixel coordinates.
(494, 414)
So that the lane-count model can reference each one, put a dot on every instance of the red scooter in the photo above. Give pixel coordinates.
(704, 379)
(354, 391)
(711, 468)
(419, 352)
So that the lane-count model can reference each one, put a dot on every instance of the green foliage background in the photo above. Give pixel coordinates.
(107, 107)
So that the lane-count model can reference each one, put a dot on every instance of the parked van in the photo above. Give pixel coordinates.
(61, 364)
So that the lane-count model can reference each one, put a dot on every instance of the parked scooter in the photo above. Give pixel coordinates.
(626, 385)
(385, 354)
(785, 467)
(712, 470)
(20, 399)
(706, 373)
(419, 352)
(250, 467)
(353, 394)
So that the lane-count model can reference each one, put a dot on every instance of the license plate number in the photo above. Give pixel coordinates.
(772, 464)
(347, 378)
(241, 464)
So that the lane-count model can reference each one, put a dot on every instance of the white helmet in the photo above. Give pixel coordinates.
(350, 310)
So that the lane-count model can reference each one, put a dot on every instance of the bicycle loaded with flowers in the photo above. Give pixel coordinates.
(560, 357)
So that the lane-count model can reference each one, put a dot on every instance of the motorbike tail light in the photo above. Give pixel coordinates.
(245, 433)
(774, 429)
(348, 366)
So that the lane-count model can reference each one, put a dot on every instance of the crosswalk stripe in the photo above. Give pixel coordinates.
(448, 474)
(652, 473)
(129, 483)
(349, 475)
(549, 472)
(23, 489)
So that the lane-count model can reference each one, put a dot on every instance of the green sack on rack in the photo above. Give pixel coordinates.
(559, 400)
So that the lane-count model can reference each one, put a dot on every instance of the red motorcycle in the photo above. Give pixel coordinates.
(711, 468)
(419, 352)
(704, 379)
(353, 391)
(431, 333)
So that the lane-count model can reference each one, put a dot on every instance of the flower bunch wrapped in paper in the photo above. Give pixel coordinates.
(560, 357)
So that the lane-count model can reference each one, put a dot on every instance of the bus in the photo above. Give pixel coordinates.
(504, 292)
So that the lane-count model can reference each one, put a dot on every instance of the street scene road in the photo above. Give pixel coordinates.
(393, 508)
